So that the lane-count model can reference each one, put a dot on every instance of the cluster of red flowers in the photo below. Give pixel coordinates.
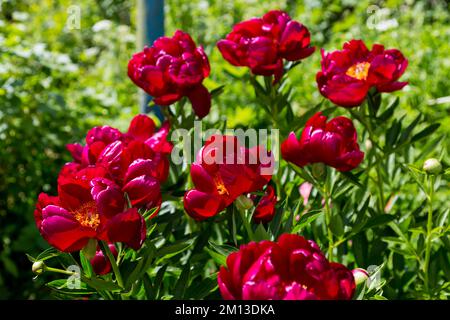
(102, 190)
(290, 269)
(116, 176)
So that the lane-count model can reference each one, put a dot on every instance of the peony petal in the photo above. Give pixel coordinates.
(143, 191)
(127, 227)
(141, 127)
(201, 100)
(62, 231)
(200, 205)
(107, 195)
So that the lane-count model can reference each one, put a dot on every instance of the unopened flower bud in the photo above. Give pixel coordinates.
(243, 202)
(432, 166)
(90, 249)
(318, 170)
(38, 267)
(368, 144)
(360, 275)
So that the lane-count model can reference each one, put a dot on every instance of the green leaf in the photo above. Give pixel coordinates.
(378, 220)
(406, 133)
(261, 233)
(425, 132)
(306, 220)
(169, 251)
(389, 110)
(60, 286)
(182, 282)
(100, 284)
(352, 178)
(217, 91)
(147, 254)
(159, 279)
(392, 133)
(337, 225)
(223, 249)
(217, 257)
(200, 289)
(86, 265)
(48, 254)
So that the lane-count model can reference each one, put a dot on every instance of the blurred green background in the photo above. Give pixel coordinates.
(58, 78)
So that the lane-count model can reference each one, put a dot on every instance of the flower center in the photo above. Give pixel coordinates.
(87, 215)
(220, 186)
(359, 70)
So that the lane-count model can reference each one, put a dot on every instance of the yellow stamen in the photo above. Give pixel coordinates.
(87, 215)
(220, 186)
(359, 70)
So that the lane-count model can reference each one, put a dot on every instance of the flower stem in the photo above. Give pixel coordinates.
(366, 122)
(105, 249)
(69, 273)
(327, 199)
(426, 264)
(247, 225)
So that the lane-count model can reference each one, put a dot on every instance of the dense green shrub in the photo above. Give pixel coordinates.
(57, 81)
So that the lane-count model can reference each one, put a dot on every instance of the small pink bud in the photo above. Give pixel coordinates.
(360, 275)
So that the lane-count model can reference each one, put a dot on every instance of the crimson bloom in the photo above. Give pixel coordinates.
(222, 171)
(171, 69)
(88, 206)
(262, 43)
(333, 143)
(91, 201)
(100, 263)
(292, 268)
(347, 75)
(265, 210)
(135, 160)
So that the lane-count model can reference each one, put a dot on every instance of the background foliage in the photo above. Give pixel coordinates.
(56, 82)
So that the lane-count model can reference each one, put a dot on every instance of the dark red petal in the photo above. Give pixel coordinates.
(43, 201)
(158, 142)
(291, 150)
(390, 87)
(100, 263)
(167, 98)
(107, 195)
(141, 127)
(143, 191)
(76, 150)
(343, 91)
(62, 231)
(200, 100)
(127, 227)
(228, 49)
(200, 205)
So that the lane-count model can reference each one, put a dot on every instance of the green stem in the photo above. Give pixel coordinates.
(426, 265)
(69, 273)
(327, 199)
(105, 249)
(366, 122)
(247, 226)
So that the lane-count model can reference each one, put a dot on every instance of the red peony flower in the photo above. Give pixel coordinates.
(347, 75)
(91, 199)
(262, 43)
(265, 210)
(223, 171)
(290, 269)
(100, 263)
(333, 143)
(171, 69)
(88, 207)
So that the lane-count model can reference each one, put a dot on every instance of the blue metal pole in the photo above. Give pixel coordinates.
(150, 27)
